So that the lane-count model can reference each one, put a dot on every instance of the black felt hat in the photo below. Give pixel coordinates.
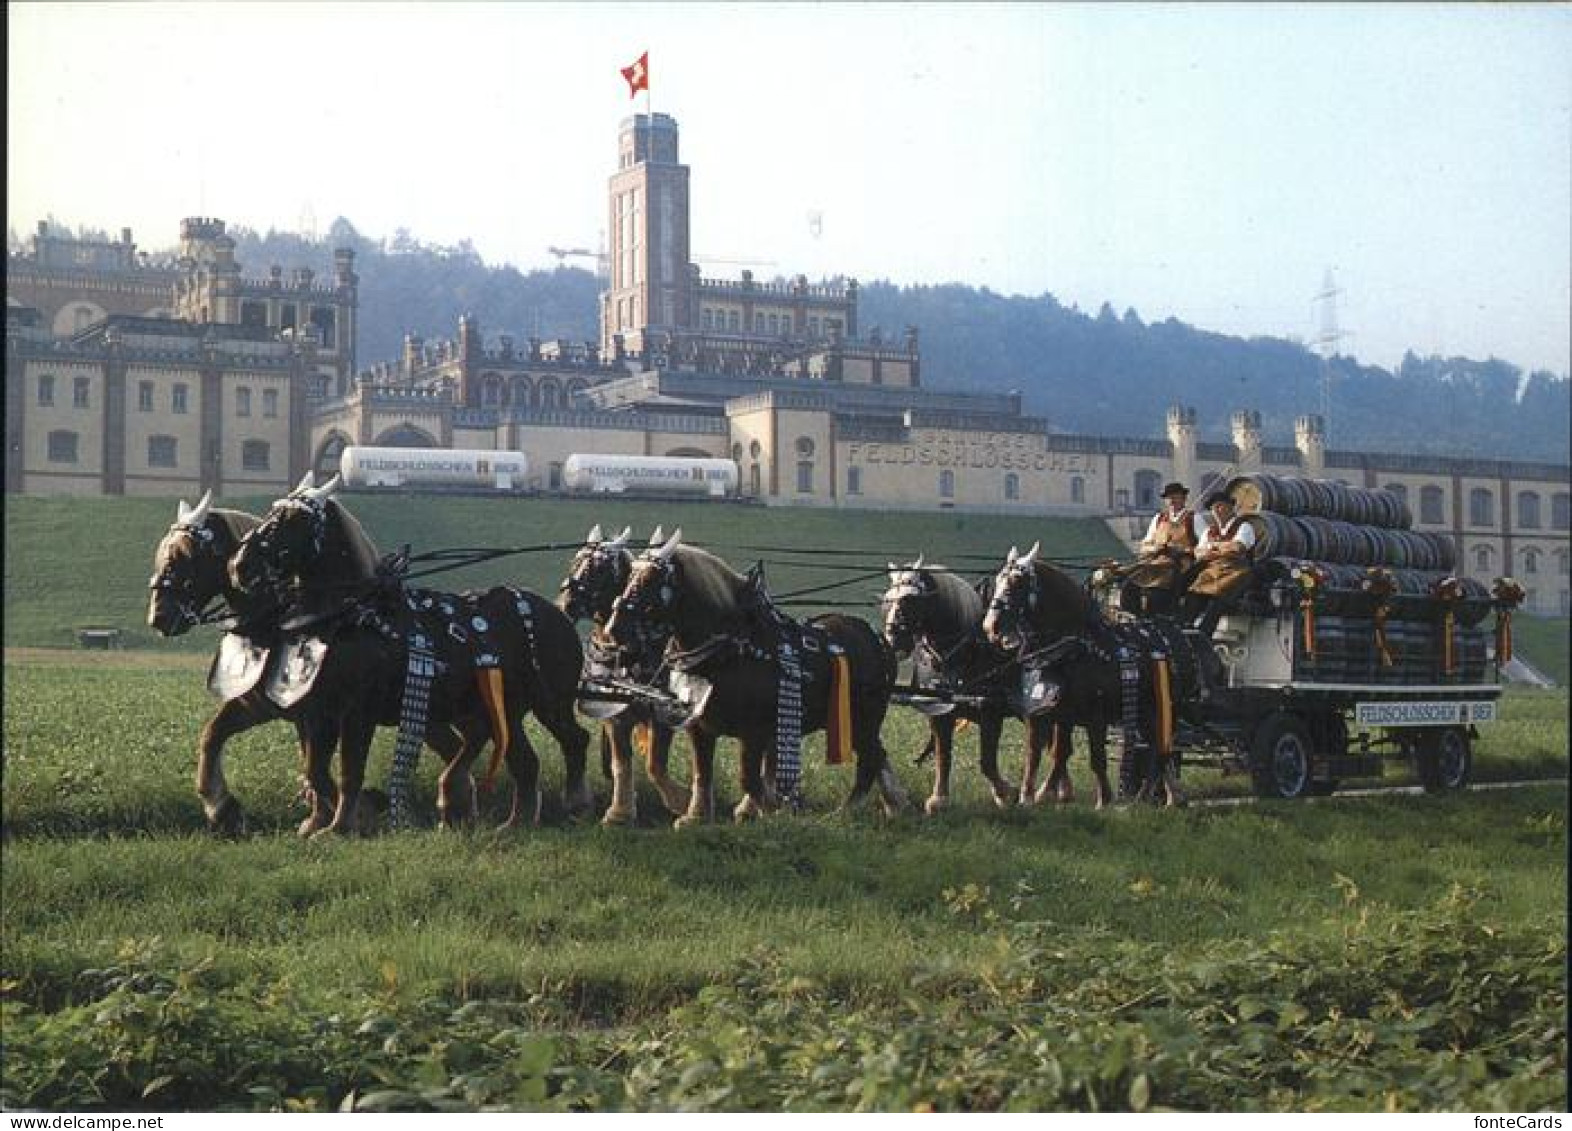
(1175, 488)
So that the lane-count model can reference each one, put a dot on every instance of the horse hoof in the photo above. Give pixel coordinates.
(1003, 800)
(935, 805)
(613, 818)
(687, 820)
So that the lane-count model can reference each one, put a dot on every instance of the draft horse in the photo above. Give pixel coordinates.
(190, 575)
(596, 577)
(726, 647)
(936, 617)
(488, 650)
(1078, 662)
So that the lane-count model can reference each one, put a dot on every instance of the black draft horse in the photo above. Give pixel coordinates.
(1037, 611)
(937, 618)
(596, 577)
(311, 547)
(702, 604)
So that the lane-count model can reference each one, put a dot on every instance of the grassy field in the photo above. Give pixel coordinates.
(1394, 952)
(832, 961)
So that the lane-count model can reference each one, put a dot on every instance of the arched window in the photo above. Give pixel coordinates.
(1530, 560)
(518, 392)
(550, 394)
(753, 479)
(1481, 507)
(490, 391)
(1431, 505)
(1562, 562)
(947, 484)
(1560, 511)
(736, 454)
(1484, 559)
(754, 449)
(1528, 510)
(1012, 486)
(1077, 489)
(804, 447)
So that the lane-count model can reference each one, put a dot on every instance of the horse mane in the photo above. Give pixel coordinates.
(1062, 603)
(709, 581)
(956, 598)
(348, 553)
(234, 524)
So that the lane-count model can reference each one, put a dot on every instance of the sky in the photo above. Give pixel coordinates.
(1207, 162)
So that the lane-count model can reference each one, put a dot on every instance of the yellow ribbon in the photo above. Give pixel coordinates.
(1448, 660)
(838, 727)
(1503, 636)
(1382, 648)
(490, 681)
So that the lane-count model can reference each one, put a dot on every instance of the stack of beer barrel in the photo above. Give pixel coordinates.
(1340, 533)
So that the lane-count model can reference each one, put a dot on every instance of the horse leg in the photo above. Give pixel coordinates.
(1032, 761)
(750, 766)
(616, 735)
(1040, 733)
(1097, 741)
(990, 727)
(1064, 747)
(656, 756)
(319, 736)
(873, 760)
(457, 747)
(354, 738)
(1173, 796)
(941, 735)
(223, 812)
(701, 802)
(573, 741)
(524, 766)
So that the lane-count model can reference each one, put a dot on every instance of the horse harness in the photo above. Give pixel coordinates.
(1157, 666)
(437, 630)
(767, 635)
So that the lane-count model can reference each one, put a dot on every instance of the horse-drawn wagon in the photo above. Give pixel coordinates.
(1355, 642)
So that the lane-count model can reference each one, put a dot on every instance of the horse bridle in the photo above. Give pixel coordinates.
(1009, 578)
(261, 537)
(906, 587)
(609, 568)
(179, 592)
(649, 634)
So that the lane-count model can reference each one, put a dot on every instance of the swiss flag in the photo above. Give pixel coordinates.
(638, 75)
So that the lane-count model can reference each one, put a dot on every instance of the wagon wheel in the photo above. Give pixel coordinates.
(1444, 759)
(1280, 757)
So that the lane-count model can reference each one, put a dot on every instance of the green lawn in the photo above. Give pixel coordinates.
(1191, 958)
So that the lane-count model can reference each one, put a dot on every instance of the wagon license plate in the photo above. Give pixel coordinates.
(1425, 713)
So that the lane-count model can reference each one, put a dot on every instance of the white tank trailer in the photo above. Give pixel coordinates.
(675, 475)
(446, 468)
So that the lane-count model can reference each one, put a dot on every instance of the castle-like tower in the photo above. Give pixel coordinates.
(648, 293)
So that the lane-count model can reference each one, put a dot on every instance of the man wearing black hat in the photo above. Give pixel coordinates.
(1166, 555)
(1222, 564)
